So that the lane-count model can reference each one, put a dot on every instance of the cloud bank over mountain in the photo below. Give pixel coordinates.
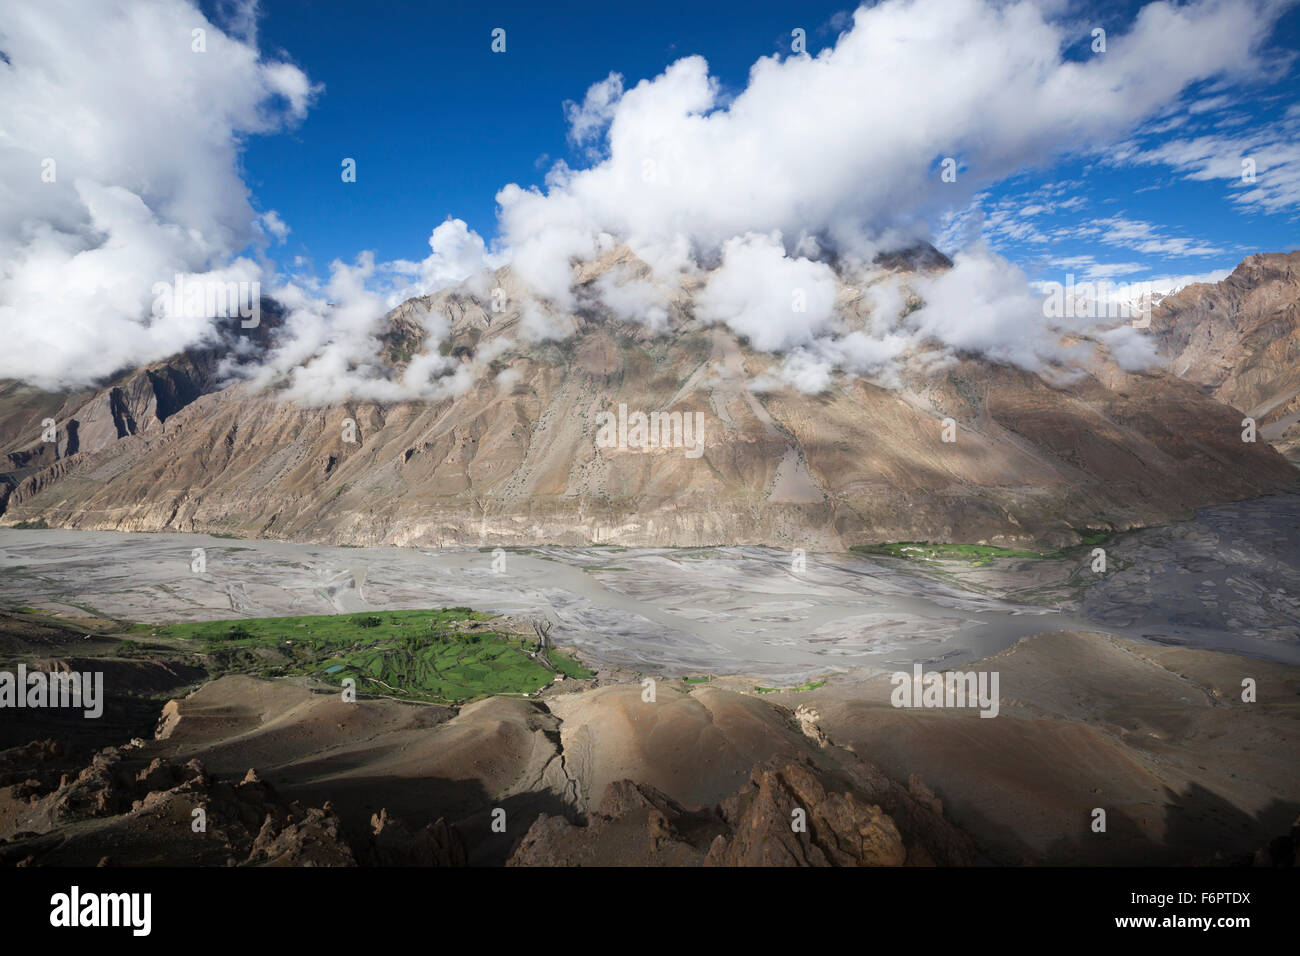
(814, 167)
(840, 150)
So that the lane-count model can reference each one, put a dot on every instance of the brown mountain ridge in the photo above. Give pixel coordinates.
(514, 460)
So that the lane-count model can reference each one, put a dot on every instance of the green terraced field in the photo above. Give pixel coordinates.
(447, 655)
(811, 685)
(977, 554)
(931, 552)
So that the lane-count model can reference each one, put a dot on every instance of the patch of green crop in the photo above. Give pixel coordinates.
(977, 555)
(569, 667)
(1092, 536)
(925, 551)
(811, 685)
(443, 655)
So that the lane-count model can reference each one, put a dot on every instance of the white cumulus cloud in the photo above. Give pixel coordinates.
(119, 145)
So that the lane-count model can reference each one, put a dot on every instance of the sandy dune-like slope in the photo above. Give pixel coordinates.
(1157, 737)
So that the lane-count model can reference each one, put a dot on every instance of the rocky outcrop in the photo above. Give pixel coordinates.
(165, 812)
(786, 817)
(634, 825)
(393, 844)
(788, 814)
(313, 838)
(36, 483)
(36, 759)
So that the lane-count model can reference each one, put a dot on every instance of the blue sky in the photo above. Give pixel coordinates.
(438, 123)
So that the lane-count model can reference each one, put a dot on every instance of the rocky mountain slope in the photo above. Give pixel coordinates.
(514, 459)
(1240, 339)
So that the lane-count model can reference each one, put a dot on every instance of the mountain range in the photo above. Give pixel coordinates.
(515, 458)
